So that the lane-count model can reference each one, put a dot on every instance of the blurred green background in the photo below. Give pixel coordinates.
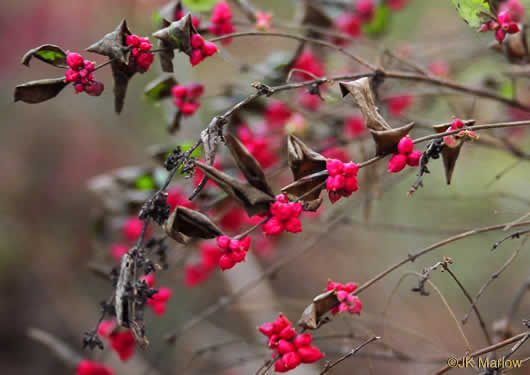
(50, 150)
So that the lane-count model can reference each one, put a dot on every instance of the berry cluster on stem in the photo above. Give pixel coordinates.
(405, 155)
(80, 74)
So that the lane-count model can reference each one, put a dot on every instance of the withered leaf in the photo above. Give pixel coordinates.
(315, 16)
(303, 186)
(160, 88)
(210, 138)
(247, 164)
(253, 200)
(386, 141)
(385, 137)
(166, 53)
(39, 91)
(113, 44)
(450, 154)
(362, 93)
(312, 316)
(184, 221)
(49, 53)
(122, 75)
(122, 304)
(302, 160)
(177, 35)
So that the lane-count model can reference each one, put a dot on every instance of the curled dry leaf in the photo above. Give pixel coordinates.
(113, 44)
(49, 53)
(39, 91)
(247, 164)
(312, 317)
(122, 75)
(451, 152)
(385, 137)
(177, 35)
(166, 53)
(191, 223)
(169, 11)
(122, 303)
(309, 171)
(253, 200)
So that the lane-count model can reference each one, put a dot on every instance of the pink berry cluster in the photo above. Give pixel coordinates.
(80, 74)
(456, 125)
(201, 49)
(354, 126)
(406, 155)
(209, 260)
(342, 179)
(397, 104)
(363, 12)
(131, 231)
(141, 57)
(348, 302)
(233, 251)
(308, 62)
(258, 145)
(186, 97)
(177, 197)
(121, 341)
(221, 21)
(86, 367)
(514, 8)
(277, 113)
(284, 216)
(502, 26)
(289, 348)
(159, 300)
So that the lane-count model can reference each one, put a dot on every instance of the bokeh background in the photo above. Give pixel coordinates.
(49, 151)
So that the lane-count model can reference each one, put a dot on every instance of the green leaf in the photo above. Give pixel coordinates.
(197, 153)
(200, 5)
(380, 22)
(507, 90)
(160, 88)
(157, 19)
(145, 182)
(48, 53)
(472, 11)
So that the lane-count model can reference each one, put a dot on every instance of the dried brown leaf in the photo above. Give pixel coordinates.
(191, 223)
(253, 200)
(177, 35)
(247, 164)
(113, 44)
(39, 91)
(312, 317)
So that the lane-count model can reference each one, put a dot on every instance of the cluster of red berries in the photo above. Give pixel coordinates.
(348, 302)
(308, 62)
(284, 216)
(514, 8)
(456, 125)
(504, 25)
(354, 126)
(221, 21)
(406, 155)
(258, 145)
(277, 113)
(159, 300)
(131, 231)
(186, 97)
(80, 74)
(291, 348)
(363, 12)
(342, 179)
(86, 367)
(233, 251)
(141, 57)
(397, 104)
(177, 197)
(199, 272)
(201, 49)
(121, 341)
(195, 21)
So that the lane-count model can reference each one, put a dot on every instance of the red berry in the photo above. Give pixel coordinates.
(209, 49)
(405, 145)
(397, 163)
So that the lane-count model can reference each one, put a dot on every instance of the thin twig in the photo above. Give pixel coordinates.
(354, 351)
